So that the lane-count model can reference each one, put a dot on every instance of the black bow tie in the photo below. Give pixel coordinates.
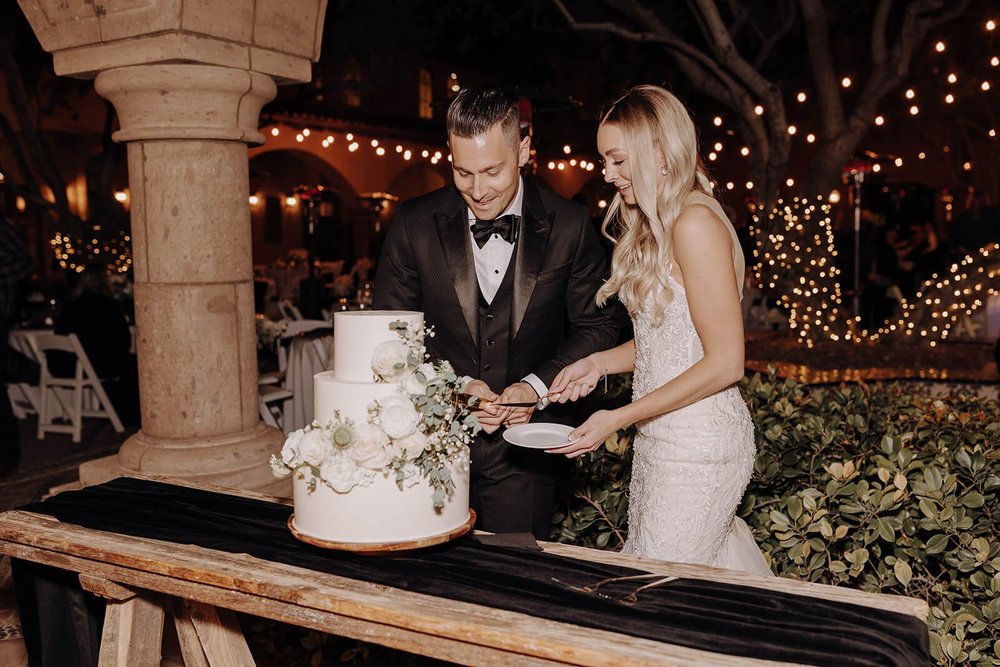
(505, 227)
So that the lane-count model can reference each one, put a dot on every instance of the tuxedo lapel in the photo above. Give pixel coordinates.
(453, 227)
(536, 224)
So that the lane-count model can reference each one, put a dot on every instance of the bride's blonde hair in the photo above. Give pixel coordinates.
(658, 134)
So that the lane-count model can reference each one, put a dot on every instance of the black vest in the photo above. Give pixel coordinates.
(494, 330)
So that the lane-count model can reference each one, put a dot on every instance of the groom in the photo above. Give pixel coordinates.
(506, 274)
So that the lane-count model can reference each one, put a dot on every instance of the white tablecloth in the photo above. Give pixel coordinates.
(306, 357)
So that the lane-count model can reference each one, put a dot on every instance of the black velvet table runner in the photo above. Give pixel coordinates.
(712, 616)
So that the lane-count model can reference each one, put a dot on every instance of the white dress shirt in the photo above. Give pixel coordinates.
(491, 266)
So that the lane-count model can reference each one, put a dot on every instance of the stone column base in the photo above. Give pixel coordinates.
(239, 460)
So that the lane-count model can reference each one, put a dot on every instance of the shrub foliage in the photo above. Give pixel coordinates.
(878, 487)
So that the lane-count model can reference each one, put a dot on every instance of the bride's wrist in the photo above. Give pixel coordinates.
(597, 359)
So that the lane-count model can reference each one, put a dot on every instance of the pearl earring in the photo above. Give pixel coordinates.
(663, 170)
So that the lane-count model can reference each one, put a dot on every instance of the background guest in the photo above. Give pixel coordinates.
(15, 268)
(97, 319)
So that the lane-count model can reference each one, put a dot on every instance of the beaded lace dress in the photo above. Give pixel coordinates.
(691, 466)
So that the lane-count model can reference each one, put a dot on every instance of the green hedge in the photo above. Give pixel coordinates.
(878, 487)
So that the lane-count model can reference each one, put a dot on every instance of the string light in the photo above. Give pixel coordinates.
(939, 47)
(910, 93)
(985, 85)
(801, 97)
(73, 254)
(952, 78)
(717, 121)
(792, 129)
(759, 110)
(810, 138)
(797, 258)
(846, 82)
(880, 120)
(914, 110)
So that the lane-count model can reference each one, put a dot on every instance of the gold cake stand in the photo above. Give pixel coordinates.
(376, 548)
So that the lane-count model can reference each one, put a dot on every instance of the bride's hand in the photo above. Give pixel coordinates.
(590, 435)
(575, 381)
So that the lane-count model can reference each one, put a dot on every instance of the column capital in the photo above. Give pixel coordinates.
(186, 102)
(279, 38)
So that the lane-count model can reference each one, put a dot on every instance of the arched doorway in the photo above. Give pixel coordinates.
(298, 201)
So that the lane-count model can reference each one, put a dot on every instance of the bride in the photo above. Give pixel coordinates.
(678, 268)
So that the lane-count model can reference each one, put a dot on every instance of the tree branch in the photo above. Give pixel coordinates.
(730, 57)
(878, 32)
(786, 18)
(818, 46)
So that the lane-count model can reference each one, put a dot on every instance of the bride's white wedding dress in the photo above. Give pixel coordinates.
(691, 466)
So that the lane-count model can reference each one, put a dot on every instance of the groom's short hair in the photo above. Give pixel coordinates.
(476, 110)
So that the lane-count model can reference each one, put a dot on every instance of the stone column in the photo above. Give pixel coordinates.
(187, 128)
(188, 79)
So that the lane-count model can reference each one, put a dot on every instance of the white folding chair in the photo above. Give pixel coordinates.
(272, 404)
(73, 398)
(289, 311)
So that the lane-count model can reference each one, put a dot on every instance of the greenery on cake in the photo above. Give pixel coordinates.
(412, 434)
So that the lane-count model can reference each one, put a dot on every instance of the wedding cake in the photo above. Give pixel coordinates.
(386, 459)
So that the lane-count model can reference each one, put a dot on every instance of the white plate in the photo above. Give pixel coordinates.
(538, 436)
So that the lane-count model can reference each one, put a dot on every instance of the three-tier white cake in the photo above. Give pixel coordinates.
(377, 510)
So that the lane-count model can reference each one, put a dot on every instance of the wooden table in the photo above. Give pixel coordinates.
(148, 582)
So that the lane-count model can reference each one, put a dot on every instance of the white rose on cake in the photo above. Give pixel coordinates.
(428, 371)
(390, 359)
(412, 446)
(313, 447)
(290, 455)
(397, 416)
(370, 447)
(413, 383)
(341, 473)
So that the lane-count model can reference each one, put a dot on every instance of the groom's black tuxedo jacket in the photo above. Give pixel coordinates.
(427, 265)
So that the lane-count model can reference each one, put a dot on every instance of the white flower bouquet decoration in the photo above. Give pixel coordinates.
(417, 432)
(269, 331)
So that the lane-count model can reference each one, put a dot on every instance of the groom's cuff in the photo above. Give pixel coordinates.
(539, 387)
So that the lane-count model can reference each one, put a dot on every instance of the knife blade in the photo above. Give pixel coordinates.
(475, 402)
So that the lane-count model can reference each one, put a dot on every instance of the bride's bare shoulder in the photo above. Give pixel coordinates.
(698, 224)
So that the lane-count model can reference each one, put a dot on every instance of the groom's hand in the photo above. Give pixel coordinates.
(519, 392)
(489, 416)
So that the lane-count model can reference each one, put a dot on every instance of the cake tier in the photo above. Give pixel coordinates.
(350, 398)
(358, 333)
(380, 513)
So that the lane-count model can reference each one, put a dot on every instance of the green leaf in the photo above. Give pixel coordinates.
(885, 531)
(972, 499)
(936, 544)
(932, 477)
(794, 506)
(902, 571)
(927, 508)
